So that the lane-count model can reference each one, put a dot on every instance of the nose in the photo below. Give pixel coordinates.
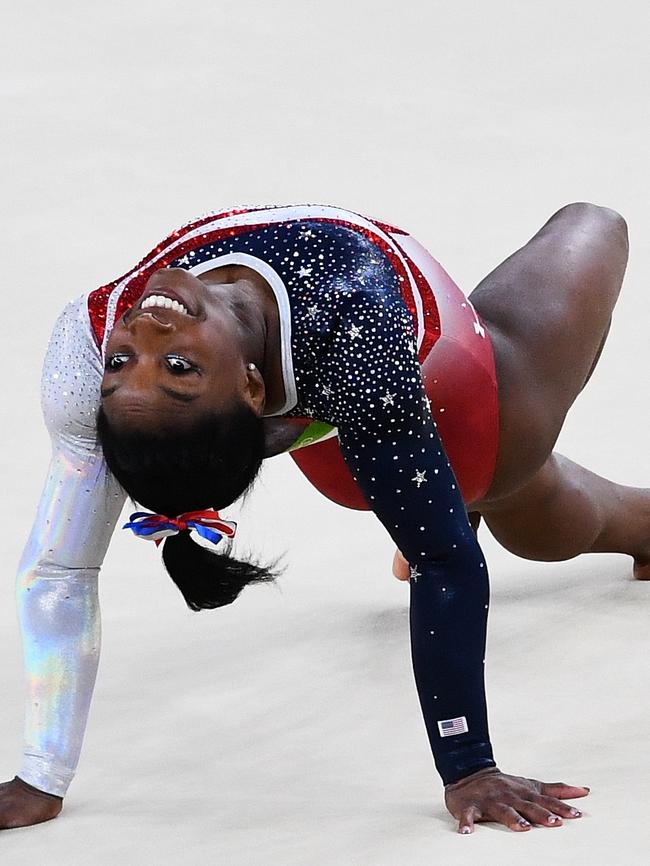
(148, 321)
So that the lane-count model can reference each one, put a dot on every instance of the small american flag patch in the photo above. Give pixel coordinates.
(451, 727)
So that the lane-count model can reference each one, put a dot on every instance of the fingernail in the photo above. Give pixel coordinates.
(552, 819)
(464, 830)
(585, 788)
(524, 822)
(576, 813)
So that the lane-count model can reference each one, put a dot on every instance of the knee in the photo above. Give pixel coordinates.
(596, 216)
(591, 226)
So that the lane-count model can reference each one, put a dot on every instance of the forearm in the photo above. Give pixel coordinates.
(59, 617)
(419, 504)
(448, 613)
(58, 612)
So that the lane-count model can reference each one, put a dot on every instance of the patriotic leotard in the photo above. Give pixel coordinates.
(359, 313)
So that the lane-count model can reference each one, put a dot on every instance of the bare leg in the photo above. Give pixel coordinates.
(566, 510)
(549, 310)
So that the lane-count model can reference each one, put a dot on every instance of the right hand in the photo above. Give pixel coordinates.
(22, 805)
(517, 802)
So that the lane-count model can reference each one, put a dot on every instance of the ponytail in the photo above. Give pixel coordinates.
(206, 579)
(209, 465)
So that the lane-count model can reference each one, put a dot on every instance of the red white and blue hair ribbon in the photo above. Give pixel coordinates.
(156, 527)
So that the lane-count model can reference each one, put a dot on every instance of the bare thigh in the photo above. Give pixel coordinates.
(548, 308)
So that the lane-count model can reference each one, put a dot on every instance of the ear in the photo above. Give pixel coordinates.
(255, 390)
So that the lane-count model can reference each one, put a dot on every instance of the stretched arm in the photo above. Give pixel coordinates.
(57, 577)
(395, 454)
(417, 499)
(393, 449)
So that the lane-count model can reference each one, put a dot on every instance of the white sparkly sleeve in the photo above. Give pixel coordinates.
(57, 577)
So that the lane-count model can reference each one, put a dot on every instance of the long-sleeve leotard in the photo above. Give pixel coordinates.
(349, 352)
(368, 384)
(56, 586)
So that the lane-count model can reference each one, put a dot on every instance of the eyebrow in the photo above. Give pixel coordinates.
(181, 396)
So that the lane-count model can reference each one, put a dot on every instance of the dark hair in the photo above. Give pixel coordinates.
(207, 465)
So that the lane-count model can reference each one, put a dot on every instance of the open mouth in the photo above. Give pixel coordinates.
(165, 300)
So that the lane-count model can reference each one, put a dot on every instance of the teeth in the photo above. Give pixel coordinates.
(163, 302)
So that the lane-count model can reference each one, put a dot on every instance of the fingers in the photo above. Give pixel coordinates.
(510, 817)
(524, 813)
(499, 812)
(401, 568)
(562, 790)
(558, 807)
(545, 811)
(538, 814)
(514, 801)
(521, 815)
(467, 818)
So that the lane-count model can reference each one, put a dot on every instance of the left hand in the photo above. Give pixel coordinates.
(22, 805)
(516, 802)
(401, 568)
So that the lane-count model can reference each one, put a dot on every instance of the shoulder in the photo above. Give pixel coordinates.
(371, 317)
(72, 373)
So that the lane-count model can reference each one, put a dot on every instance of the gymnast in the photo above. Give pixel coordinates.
(338, 338)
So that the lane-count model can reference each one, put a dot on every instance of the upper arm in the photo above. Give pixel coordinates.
(81, 500)
(388, 437)
(71, 379)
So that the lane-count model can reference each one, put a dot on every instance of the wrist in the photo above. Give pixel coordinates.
(36, 791)
(485, 771)
(465, 759)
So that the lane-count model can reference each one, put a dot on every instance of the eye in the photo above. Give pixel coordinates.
(179, 365)
(116, 361)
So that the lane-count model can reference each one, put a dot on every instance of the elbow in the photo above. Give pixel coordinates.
(462, 555)
(31, 574)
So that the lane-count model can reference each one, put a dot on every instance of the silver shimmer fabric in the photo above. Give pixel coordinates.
(57, 576)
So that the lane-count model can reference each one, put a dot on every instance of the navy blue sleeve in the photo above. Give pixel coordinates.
(391, 445)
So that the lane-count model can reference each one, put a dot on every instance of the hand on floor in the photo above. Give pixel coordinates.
(21, 805)
(514, 801)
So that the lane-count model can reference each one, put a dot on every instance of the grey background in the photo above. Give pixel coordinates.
(285, 729)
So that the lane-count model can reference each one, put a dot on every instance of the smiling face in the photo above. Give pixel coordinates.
(178, 353)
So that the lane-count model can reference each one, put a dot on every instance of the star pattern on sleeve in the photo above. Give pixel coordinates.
(354, 332)
(420, 477)
(388, 399)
